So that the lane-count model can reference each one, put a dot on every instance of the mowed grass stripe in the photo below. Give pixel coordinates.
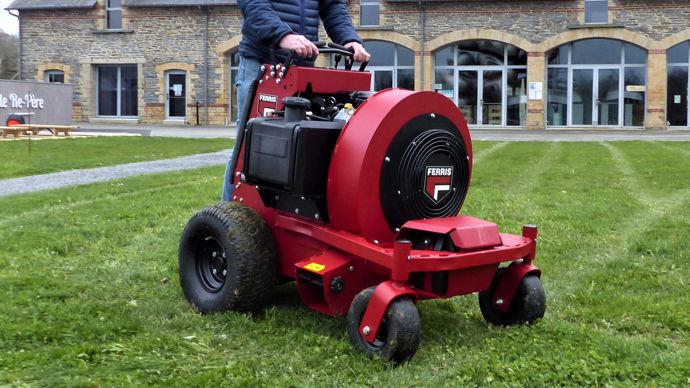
(107, 309)
(486, 152)
(682, 148)
(500, 166)
(24, 158)
(629, 176)
(566, 202)
(23, 208)
(636, 284)
(616, 256)
(658, 171)
(532, 179)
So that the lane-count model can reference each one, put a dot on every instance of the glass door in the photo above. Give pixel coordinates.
(491, 100)
(582, 97)
(468, 95)
(608, 96)
(480, 96)
(177, 95)
(677, 96)
(596, 97)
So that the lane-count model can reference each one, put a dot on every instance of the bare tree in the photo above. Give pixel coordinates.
(8, 56)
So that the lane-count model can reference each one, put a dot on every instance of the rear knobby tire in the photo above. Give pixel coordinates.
(227, 259)
(399, 333)
(528, 305)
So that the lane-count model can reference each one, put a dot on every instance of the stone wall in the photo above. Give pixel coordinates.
(532, 20)
(153, 37)
(150, 37)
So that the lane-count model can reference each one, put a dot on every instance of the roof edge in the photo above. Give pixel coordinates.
(178, 4)
(44, 6)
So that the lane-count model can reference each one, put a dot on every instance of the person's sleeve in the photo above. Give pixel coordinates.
(337, 22)
(264, 21)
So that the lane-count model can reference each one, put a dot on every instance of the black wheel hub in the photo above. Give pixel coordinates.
(381, 336)
(211, 264)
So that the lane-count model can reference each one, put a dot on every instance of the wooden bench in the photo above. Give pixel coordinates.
(23, 129)
(14, 130)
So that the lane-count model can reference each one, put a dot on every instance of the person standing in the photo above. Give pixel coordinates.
(290, 25)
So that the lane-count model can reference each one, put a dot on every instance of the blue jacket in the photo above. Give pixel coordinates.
(266, 22)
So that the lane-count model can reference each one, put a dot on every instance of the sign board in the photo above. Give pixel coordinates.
(447, 92)
(635, 88)
(38, 102)
(535, 90)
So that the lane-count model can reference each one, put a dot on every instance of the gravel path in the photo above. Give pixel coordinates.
(56, 180)
(102, 174)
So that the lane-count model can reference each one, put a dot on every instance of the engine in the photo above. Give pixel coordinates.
(361, 161)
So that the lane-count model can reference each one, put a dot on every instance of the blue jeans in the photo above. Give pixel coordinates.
(246, 73)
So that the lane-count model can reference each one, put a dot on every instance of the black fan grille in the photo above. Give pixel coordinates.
(422, 143)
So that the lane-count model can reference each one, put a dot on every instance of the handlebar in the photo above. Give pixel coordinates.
(324, 48)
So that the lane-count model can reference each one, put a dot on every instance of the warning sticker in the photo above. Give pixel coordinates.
(315, 267)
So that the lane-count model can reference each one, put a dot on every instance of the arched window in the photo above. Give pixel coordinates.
(678, 90)
(487, 79)
(392, 65)
(596, 82)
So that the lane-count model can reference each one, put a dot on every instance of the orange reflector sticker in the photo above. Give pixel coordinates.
(315, 267)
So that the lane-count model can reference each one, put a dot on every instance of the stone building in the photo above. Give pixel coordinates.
(506, 64)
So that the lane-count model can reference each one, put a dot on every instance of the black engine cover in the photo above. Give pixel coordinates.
(289, 162)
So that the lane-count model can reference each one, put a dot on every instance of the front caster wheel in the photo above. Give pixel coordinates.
(528, 305)
(399, 332)
(227, 259)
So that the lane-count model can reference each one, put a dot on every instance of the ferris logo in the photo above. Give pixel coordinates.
(267, 98)
(267, 104)
(437, 182)
(439, 171)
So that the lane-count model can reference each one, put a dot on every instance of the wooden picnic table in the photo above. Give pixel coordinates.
(24, 129)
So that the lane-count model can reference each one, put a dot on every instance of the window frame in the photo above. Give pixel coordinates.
(622, 66)
(233, 68)
(504, 68)
(118, 97)
(684, 65)
(109, 9)
(590, 3)
(394, 67)
(371, 8)
(48, 73)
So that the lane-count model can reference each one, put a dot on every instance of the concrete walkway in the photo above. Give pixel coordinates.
(203, 131)
(573, 134)
(57, 180)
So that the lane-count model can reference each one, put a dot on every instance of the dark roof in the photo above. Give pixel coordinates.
(434, 1)
(66, 4)
(52, 4)
(176, 3)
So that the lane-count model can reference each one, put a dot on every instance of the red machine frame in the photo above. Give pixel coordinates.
(357, 247)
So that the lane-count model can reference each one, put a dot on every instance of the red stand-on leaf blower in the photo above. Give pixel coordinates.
(354, 195)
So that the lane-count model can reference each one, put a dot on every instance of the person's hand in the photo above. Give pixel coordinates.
(361, 55)
(301, 45)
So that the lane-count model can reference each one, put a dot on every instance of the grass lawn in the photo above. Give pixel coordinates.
(89, 290)
(22, 158)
